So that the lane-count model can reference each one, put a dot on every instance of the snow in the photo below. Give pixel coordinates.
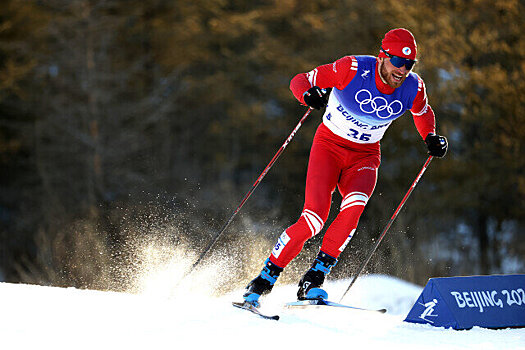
(37, 317)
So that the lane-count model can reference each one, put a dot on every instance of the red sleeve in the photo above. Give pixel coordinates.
(337, 74)
(423, 114)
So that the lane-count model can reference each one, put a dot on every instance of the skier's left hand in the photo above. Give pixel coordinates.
(437, 145)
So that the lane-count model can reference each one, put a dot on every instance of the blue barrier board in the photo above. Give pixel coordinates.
(464, 302)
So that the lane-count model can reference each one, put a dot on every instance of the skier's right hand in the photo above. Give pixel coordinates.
(316, 97)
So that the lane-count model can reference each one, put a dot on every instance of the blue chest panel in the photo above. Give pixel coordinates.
(363, 101)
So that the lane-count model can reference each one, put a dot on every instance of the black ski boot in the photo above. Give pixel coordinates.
(309, 286)
(263, 283)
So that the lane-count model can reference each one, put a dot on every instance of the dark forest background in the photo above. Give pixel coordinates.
(130, 123)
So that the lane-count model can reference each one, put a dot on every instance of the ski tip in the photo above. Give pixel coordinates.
(249, 307)
(383, 311)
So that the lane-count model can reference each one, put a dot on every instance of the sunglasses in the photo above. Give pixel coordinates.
(400, 61)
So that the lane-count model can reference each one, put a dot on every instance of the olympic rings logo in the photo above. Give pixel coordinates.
(378, 105)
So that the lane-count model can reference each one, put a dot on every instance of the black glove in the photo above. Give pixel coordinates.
(316, 97)
(437, 145)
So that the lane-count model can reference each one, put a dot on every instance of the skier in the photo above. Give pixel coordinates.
(362, 96)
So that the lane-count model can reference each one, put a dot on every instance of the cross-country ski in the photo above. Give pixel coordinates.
(249, 307)
(320, 303)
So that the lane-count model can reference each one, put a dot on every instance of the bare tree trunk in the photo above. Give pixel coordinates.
(94, 175)
(483, 240)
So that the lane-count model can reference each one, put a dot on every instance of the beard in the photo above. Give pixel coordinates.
(393, 80)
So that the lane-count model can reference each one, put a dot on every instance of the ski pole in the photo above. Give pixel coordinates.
(252, 189)
(387, 227)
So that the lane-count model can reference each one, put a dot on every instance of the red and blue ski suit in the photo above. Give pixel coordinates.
(346, 152)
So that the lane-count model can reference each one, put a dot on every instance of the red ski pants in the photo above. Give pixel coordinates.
(334, 162)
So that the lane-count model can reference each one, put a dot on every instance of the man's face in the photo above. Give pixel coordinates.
(393, 76)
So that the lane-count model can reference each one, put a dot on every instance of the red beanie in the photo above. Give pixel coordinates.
(399, 42)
